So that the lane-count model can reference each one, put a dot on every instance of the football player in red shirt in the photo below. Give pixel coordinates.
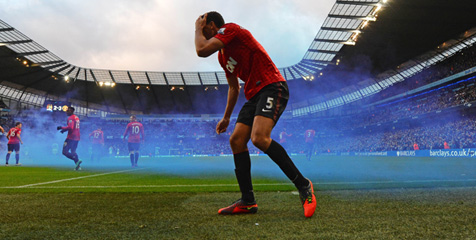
(97, 137)
(135, 131)
(72, 140)
(283, 137)
(241, 56)
(14, 141)
(309, 139)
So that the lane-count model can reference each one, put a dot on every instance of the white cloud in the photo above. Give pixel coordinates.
(158, 35)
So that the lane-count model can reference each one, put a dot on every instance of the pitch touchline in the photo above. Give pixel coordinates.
(70, 179)
(230, 185)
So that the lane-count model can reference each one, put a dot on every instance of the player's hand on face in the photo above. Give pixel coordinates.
(222, 125)
(201, 22)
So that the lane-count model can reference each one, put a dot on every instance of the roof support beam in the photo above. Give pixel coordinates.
(340, 29)
(118, 93)
(7, 29)
(323, 51)
(186, 90)
(17, 42)
(151, 88)
(358, 3)
(137, 94)
(330, 40)
(102, 95)
(366, 18)
(32, 53)
(48, 63)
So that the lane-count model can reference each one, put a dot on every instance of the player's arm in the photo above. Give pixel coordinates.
(68, 127)
(233, 93)
(203, 46)
(19, 138)
(2, 130)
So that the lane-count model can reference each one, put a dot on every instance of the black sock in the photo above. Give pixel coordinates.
(243, 175)
(279, 155)
(17, 157)
(136, 157)
(7, 158)
(131, 156)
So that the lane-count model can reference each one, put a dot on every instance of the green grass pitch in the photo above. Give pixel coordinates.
(41, 202)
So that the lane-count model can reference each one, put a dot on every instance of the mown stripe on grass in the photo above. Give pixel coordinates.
(75, 178)
(229, 185)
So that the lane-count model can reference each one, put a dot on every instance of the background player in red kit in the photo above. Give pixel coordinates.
(72, 140)
(309, 139)
(14, 141)
(283, 137)
(97, 137)
(241, 56)
(135, 131)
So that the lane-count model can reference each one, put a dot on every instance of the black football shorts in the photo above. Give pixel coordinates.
(133, 146)
(70, 145)
(269, 102)
(13, 147)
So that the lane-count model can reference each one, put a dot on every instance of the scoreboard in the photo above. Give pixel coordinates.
(56, 106)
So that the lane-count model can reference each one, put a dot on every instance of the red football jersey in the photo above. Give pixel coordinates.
(73, 128)
(97, 136)
(13, 135)
(309, 135)
(245, 58)
(135, 130)
(283, 137)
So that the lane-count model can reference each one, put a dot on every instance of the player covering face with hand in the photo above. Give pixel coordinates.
(241, 56)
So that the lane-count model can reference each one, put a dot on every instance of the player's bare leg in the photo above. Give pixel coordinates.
(241, 156)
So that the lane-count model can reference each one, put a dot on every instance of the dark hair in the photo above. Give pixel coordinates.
(17, 123)
(72, 109)
(216, 18)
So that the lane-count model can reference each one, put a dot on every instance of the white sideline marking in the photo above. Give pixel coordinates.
(70, 179)
(229, 185)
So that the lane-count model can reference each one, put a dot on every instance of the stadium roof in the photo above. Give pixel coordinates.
(404, 30)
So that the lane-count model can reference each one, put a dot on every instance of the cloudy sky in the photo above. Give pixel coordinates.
(158, 35)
